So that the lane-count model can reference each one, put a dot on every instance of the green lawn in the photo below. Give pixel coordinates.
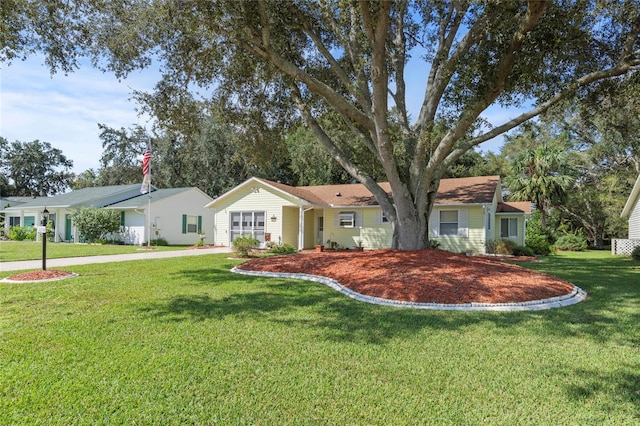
(183, 341)
(32, 250)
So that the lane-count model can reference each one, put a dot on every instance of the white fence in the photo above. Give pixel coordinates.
(623, 246)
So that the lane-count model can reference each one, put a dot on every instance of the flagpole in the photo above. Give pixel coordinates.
(149, 193)
(146, 186)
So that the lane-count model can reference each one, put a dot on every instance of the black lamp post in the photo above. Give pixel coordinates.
(43, 222)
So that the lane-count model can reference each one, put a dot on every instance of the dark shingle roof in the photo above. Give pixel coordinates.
(143, 199)
(97, 196)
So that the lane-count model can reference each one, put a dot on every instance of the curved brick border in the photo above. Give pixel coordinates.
(577, 295)
(7, 280)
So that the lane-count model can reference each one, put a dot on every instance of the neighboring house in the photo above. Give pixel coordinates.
(631, 210)
(177, 215)
(10, 221)
(168, 206)
(467, 213)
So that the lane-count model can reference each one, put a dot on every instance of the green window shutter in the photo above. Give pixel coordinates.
(199, 224)
(122, 218)
(184, 223)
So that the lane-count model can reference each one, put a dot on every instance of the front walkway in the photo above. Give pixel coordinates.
(85, 260)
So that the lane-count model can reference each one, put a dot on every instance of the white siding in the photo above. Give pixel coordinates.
(634, 221)
(168, 212)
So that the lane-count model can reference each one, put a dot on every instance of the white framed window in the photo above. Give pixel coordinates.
(509, 227)
(448, 222)
(347, 219)
(381, 218)
(247, 223)
(192, 224)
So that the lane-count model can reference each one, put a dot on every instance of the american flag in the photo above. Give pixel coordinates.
(146, 170)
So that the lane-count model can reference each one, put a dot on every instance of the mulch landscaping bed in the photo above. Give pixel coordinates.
(423, 276)
(49, 274)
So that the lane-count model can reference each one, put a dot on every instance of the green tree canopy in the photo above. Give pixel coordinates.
(543, 175)
(281, 61)
(33, 169)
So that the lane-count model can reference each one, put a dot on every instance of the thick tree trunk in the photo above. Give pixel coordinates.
(411, 224)
(408, 234)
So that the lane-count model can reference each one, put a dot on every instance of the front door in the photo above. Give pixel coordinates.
(320, 230)
(67, 227)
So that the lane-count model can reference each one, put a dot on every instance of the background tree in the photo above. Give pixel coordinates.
(543, 175)
(311, 163)
(122, 150)
(86, 179)
(298, 60)
(33, 169)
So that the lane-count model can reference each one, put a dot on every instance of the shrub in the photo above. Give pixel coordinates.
(242, 245)
(434, 244)
(21, 233)
(159, 242)
(500, 246)
(635, 254)
(96, 223)
(282, 249)
(572, 242)
(522, 251)
(539, 244)
(538, 239)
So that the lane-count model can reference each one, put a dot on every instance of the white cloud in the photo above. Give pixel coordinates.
(64, 110)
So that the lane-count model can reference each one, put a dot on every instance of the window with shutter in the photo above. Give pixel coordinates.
(347, 219)
(448, 222)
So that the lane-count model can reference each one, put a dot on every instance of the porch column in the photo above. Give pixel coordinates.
(301, 228)
(38, 218)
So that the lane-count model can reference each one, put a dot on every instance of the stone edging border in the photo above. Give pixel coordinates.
(577, 295)
(7, 280)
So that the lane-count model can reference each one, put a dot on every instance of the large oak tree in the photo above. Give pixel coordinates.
(299, 60)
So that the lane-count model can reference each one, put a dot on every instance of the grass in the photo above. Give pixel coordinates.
(32, 250)
(183, 341)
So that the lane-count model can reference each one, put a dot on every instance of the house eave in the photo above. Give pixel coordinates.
(212, 205)
(626, 211)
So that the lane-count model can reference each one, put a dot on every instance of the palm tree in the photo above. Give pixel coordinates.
(542, 175)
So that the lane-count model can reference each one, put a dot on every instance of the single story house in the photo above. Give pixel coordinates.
(467, 213)
(177, 215)
(170, 208)
(631, 211)
(10, 221)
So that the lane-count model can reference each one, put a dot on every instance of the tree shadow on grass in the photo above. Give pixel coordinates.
(606, 315)
(612, 389)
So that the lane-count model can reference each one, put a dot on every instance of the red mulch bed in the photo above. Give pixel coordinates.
(40, 275)
(424, 276)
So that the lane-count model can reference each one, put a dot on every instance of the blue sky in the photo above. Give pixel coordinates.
(65, 110)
